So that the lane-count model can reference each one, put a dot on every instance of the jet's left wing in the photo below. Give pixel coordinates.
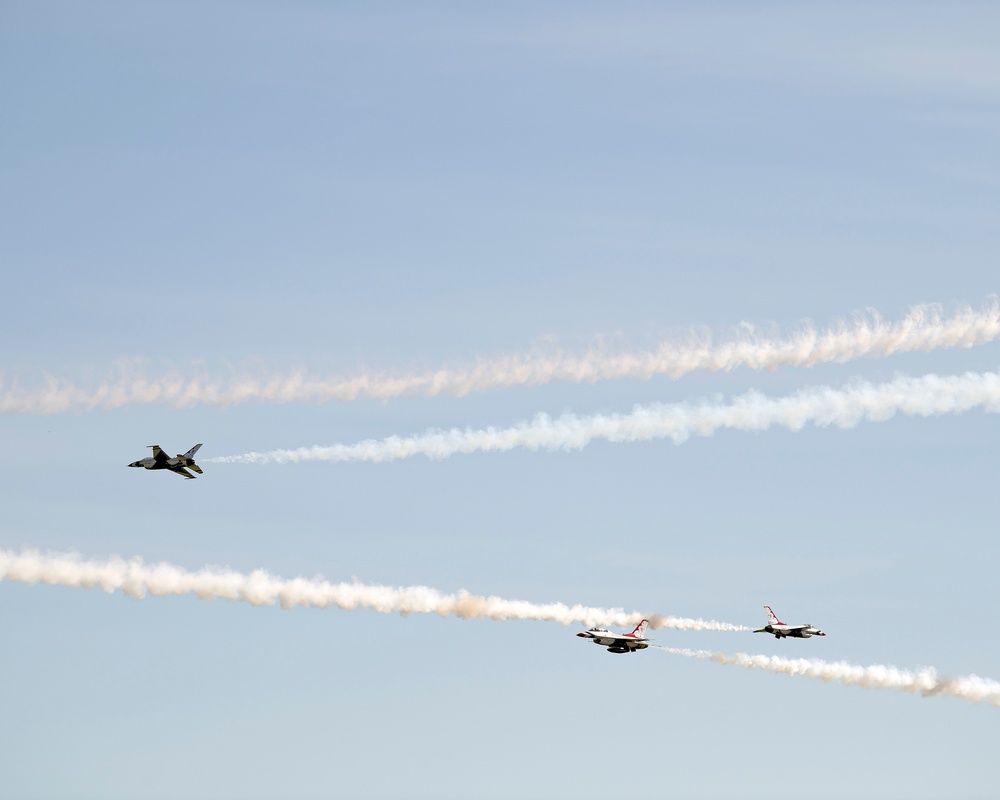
(184, 472)
(628, 643)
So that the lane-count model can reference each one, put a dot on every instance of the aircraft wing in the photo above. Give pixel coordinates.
(622, 641)
(158, 454)
(184, 472)
(610, 641)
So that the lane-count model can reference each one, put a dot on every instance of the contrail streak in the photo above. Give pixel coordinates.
(259, 588)
(924, 682)
(925, 327)
(861, 401)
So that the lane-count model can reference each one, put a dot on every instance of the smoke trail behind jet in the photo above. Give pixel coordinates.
(924, 682)
(925, 327)
(259, 588)
(926, 396)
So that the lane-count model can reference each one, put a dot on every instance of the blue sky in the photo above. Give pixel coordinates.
(229, 188)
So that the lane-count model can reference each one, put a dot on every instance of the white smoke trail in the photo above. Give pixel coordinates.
(924, 682)
(259, 588)
(860, 401)
(924, 327)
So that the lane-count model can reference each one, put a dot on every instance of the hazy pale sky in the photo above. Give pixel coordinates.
(206, 195)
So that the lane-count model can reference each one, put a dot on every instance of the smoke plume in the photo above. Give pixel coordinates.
(259, 588)
(925, 327)
(926, 396)
(924, 682)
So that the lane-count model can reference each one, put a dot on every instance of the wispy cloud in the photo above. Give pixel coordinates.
(910, 48)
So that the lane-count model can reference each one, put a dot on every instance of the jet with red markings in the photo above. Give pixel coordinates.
(619, 642)
(780, 630)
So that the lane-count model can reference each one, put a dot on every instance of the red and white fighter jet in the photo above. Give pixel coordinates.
(619, 642)
(780, 630)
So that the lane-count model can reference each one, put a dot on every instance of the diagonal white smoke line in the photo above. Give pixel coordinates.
(861, 401)
(259, 588)
(925, 327)
(924, 681)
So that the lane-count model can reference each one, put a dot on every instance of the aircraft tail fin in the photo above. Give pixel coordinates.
(771, 618)
(640, 630)
(190, 453)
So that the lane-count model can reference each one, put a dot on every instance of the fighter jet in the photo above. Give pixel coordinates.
(160, 460)
(619, 642)
(781, 630)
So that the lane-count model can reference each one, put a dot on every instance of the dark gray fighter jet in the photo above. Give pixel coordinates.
(160, 460)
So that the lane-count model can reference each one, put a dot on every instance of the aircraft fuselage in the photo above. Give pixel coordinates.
(791, 632)
(160, 460)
